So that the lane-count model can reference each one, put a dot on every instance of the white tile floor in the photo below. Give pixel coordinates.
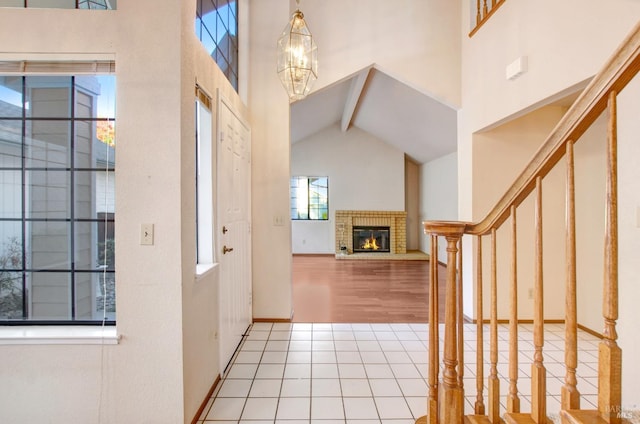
(371, 373)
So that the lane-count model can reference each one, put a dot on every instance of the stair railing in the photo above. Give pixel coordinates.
(445, 399)
(484, 10)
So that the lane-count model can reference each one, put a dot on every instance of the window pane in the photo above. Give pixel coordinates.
(50, 295)
(105, 295)
(48, 97)
(48, 144)
(11, 189)
(12, 3)
(10, 143)
(10, 96)
(198, 28)
(11, 299)
(92, 252)
(94, 193)
(48, 245)
(95, 96)
(207, 42)
(96, 4)
(53, 4)
(48, 194)
(209, 16)
(10, 245)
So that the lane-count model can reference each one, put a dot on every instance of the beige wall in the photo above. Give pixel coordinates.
(354, 35)
(166, 360)
(412, 203)
(417, 42)
(629, 240)
(438, 197)
(499, 156)
(563, 48)
(269, 110)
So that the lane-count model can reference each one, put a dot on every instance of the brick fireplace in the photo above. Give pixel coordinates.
(345, 222)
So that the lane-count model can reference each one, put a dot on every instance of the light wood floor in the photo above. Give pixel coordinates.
(368, 291)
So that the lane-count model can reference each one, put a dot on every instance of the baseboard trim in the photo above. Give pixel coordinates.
(590, 331)
(506, 321)
(530, 321)
(206, 400)
(272, 320)
(311, 255)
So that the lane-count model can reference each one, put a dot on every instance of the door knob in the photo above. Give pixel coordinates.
(226, 249)
(224, 229)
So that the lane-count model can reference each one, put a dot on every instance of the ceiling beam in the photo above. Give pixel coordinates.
(355, 92)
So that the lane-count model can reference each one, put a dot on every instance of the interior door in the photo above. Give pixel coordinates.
(234, 230)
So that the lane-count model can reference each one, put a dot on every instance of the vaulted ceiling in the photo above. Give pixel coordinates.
(391, 110)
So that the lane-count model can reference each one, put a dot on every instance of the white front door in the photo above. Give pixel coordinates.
(234, 230)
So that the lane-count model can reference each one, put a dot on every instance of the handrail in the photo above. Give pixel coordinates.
(616, 74)
(483, 13)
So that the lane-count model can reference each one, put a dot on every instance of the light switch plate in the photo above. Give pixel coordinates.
(146, 234)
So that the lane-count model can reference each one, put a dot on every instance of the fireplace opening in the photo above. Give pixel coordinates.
(371, 239)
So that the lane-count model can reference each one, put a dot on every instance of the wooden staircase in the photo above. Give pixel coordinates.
(445, 400)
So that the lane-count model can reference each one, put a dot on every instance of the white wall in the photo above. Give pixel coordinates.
(364, 174)
(438, 197)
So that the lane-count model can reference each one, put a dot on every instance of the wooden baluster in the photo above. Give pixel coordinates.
(494, 382)
(493, 3)
(485, 10)
(479, 405)
(434, 345)
(609, 353)
(570, 397)
(513, 401)
(460, 321)
(452, 407)
(478, 14)
(450, 395)
(538, 371)
(436, 309)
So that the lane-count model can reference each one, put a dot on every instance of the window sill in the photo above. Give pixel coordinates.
(203, 270)
(59, 335)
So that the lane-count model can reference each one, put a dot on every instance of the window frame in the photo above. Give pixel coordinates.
(228, 22)
(310, 205)
(204, 180)
(77, 4)
(73, 219)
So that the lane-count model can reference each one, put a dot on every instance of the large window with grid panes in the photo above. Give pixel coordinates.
(57, 199)
(309, 198)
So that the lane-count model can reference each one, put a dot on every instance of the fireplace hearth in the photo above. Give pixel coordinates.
(371, 239)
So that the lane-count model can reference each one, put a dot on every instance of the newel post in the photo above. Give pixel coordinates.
(451, 397)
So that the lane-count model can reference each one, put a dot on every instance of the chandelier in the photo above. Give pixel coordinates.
(297, 57)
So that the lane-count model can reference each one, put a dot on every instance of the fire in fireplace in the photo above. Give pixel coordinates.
(371, 239)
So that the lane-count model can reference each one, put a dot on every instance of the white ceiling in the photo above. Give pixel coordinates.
(375, 102)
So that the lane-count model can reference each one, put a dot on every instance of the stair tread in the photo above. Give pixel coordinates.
(476, 419)
(580, 416)
(519, 418)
